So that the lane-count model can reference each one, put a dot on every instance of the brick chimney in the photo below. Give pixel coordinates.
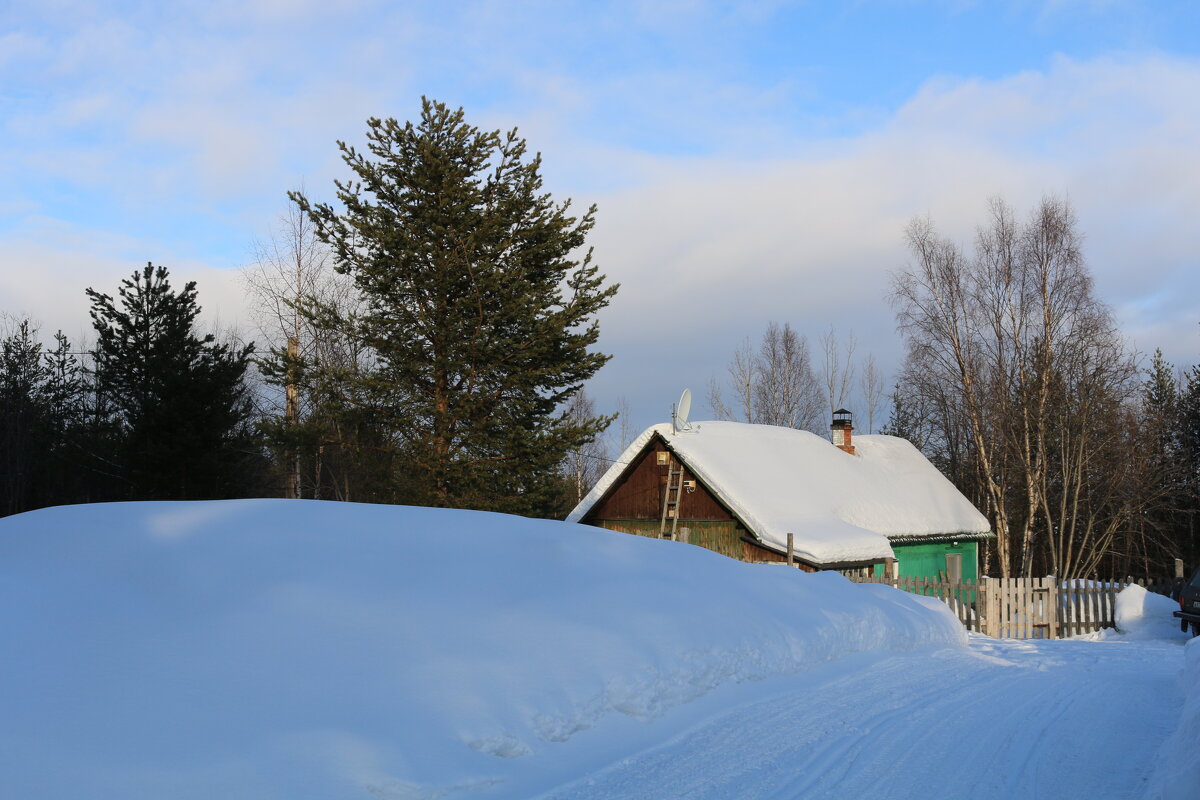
(841, 430)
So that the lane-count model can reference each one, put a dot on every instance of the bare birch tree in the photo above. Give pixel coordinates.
(773, 386)
(1034, 374)
(293, 270)
(785, 390)
(743, 374)
(585, 465)
(624, 425)
(871, 386)
(837, 368)
(935, 314)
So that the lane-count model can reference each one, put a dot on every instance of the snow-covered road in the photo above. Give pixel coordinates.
(1004, 719)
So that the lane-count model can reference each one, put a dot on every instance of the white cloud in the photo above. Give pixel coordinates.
(45, 269)
(769, 224)
(708, 250)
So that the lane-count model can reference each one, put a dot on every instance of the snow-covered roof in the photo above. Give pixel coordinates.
(840, 507)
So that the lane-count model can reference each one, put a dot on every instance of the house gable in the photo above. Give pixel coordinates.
(633, 504)
(638, 493)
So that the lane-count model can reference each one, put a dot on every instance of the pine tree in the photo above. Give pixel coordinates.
(1189, 434)
(1161, 435)
(65, 474)
(478, 310)
(22, 412)
(904, 421)
(42, 450)
(1162, 480)
(180, 399)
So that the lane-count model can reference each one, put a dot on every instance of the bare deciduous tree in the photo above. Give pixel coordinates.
(584, 466)
(837, 368)
(624, 426)
(871, 385)
(292, 271)
(774, 386)
(743, 375)
(1029, 380)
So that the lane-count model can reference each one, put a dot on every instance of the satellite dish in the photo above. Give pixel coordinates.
(679, 419)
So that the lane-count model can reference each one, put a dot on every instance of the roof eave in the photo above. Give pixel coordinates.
(819, 565)
(933, 538)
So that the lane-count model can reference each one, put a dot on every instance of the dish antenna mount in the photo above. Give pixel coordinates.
(680, 411)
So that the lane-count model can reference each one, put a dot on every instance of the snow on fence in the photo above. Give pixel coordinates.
(963, 598)
(1024, 608)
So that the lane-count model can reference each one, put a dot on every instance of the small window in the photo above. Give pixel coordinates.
(664, 458)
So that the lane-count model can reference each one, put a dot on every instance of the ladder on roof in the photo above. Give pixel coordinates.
(671, 497)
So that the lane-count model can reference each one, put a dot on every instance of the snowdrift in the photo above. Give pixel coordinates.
(1140, 614)
(1177, 769)
(301, 649)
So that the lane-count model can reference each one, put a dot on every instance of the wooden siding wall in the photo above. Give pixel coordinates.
(721, 536)
(635, 506)
(752, 552)
(640, 495)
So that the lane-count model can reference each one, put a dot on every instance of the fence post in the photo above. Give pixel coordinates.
(983, 605)
(1052, 599)
(791, 551)
(889, 568)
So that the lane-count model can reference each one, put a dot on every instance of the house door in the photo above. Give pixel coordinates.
(954, 567)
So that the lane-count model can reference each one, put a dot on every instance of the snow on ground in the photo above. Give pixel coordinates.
(1143, 615)
(292, 649)
(1177, 768)
(1004, 719)
(297, 649)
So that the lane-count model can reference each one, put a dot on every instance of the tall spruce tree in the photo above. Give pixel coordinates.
(1189, 433)
(478, 310)
(22, 418)
(1155, 536)
(41, 415)
(180, 399)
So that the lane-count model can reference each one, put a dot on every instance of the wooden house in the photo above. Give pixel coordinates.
(741, 489)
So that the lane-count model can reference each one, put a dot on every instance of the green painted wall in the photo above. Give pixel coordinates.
(926, 560)
(719, 535)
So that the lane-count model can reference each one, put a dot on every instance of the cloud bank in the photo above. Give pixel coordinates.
(726, 198)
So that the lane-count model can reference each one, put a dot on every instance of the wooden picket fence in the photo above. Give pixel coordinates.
(1023, 608)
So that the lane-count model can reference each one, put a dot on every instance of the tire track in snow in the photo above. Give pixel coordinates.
(1002, 720)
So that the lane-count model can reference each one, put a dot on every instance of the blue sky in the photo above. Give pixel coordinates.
(752, 161)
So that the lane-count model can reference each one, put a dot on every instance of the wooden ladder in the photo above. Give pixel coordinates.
(671, 496)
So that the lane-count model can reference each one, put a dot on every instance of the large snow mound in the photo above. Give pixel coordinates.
(1140, 614)
(301, 649)
(1177, 770)
(840, 507)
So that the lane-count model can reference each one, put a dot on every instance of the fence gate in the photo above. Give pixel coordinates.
(1021, 608)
